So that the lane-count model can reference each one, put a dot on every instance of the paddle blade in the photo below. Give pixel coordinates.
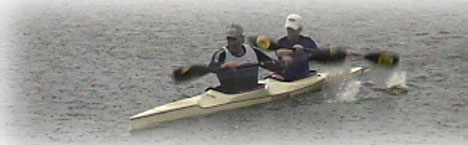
(190, 72)
(263, 42)
(383, 58)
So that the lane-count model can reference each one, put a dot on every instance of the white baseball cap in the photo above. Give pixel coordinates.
(293, 21)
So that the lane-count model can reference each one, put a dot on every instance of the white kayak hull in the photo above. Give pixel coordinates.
(213, 101)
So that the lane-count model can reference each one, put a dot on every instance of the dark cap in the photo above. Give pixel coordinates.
(234, 30)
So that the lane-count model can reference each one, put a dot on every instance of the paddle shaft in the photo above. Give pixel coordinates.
(382, 58)
(248, 65)
(324, 55)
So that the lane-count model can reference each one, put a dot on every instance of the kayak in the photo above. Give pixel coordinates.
(213, 101)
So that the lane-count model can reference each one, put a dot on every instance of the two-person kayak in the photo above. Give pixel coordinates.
(213, 101)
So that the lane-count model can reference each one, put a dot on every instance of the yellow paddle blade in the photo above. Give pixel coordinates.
(385, 59)
(263, 42)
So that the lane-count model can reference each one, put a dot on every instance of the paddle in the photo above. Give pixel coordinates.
(331, 53)
(198, 70)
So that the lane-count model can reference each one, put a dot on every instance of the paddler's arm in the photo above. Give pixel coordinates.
(283, 51)
(285, 48)
(217, 59)
(296, 51)
(285, 55)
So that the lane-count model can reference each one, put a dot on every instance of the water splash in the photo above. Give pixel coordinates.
(342, 86)
(395, 84)
(397, 80)
(348, 92)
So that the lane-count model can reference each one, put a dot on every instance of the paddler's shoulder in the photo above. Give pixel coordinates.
(219, 55)
(283, 39)
(305, 37)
